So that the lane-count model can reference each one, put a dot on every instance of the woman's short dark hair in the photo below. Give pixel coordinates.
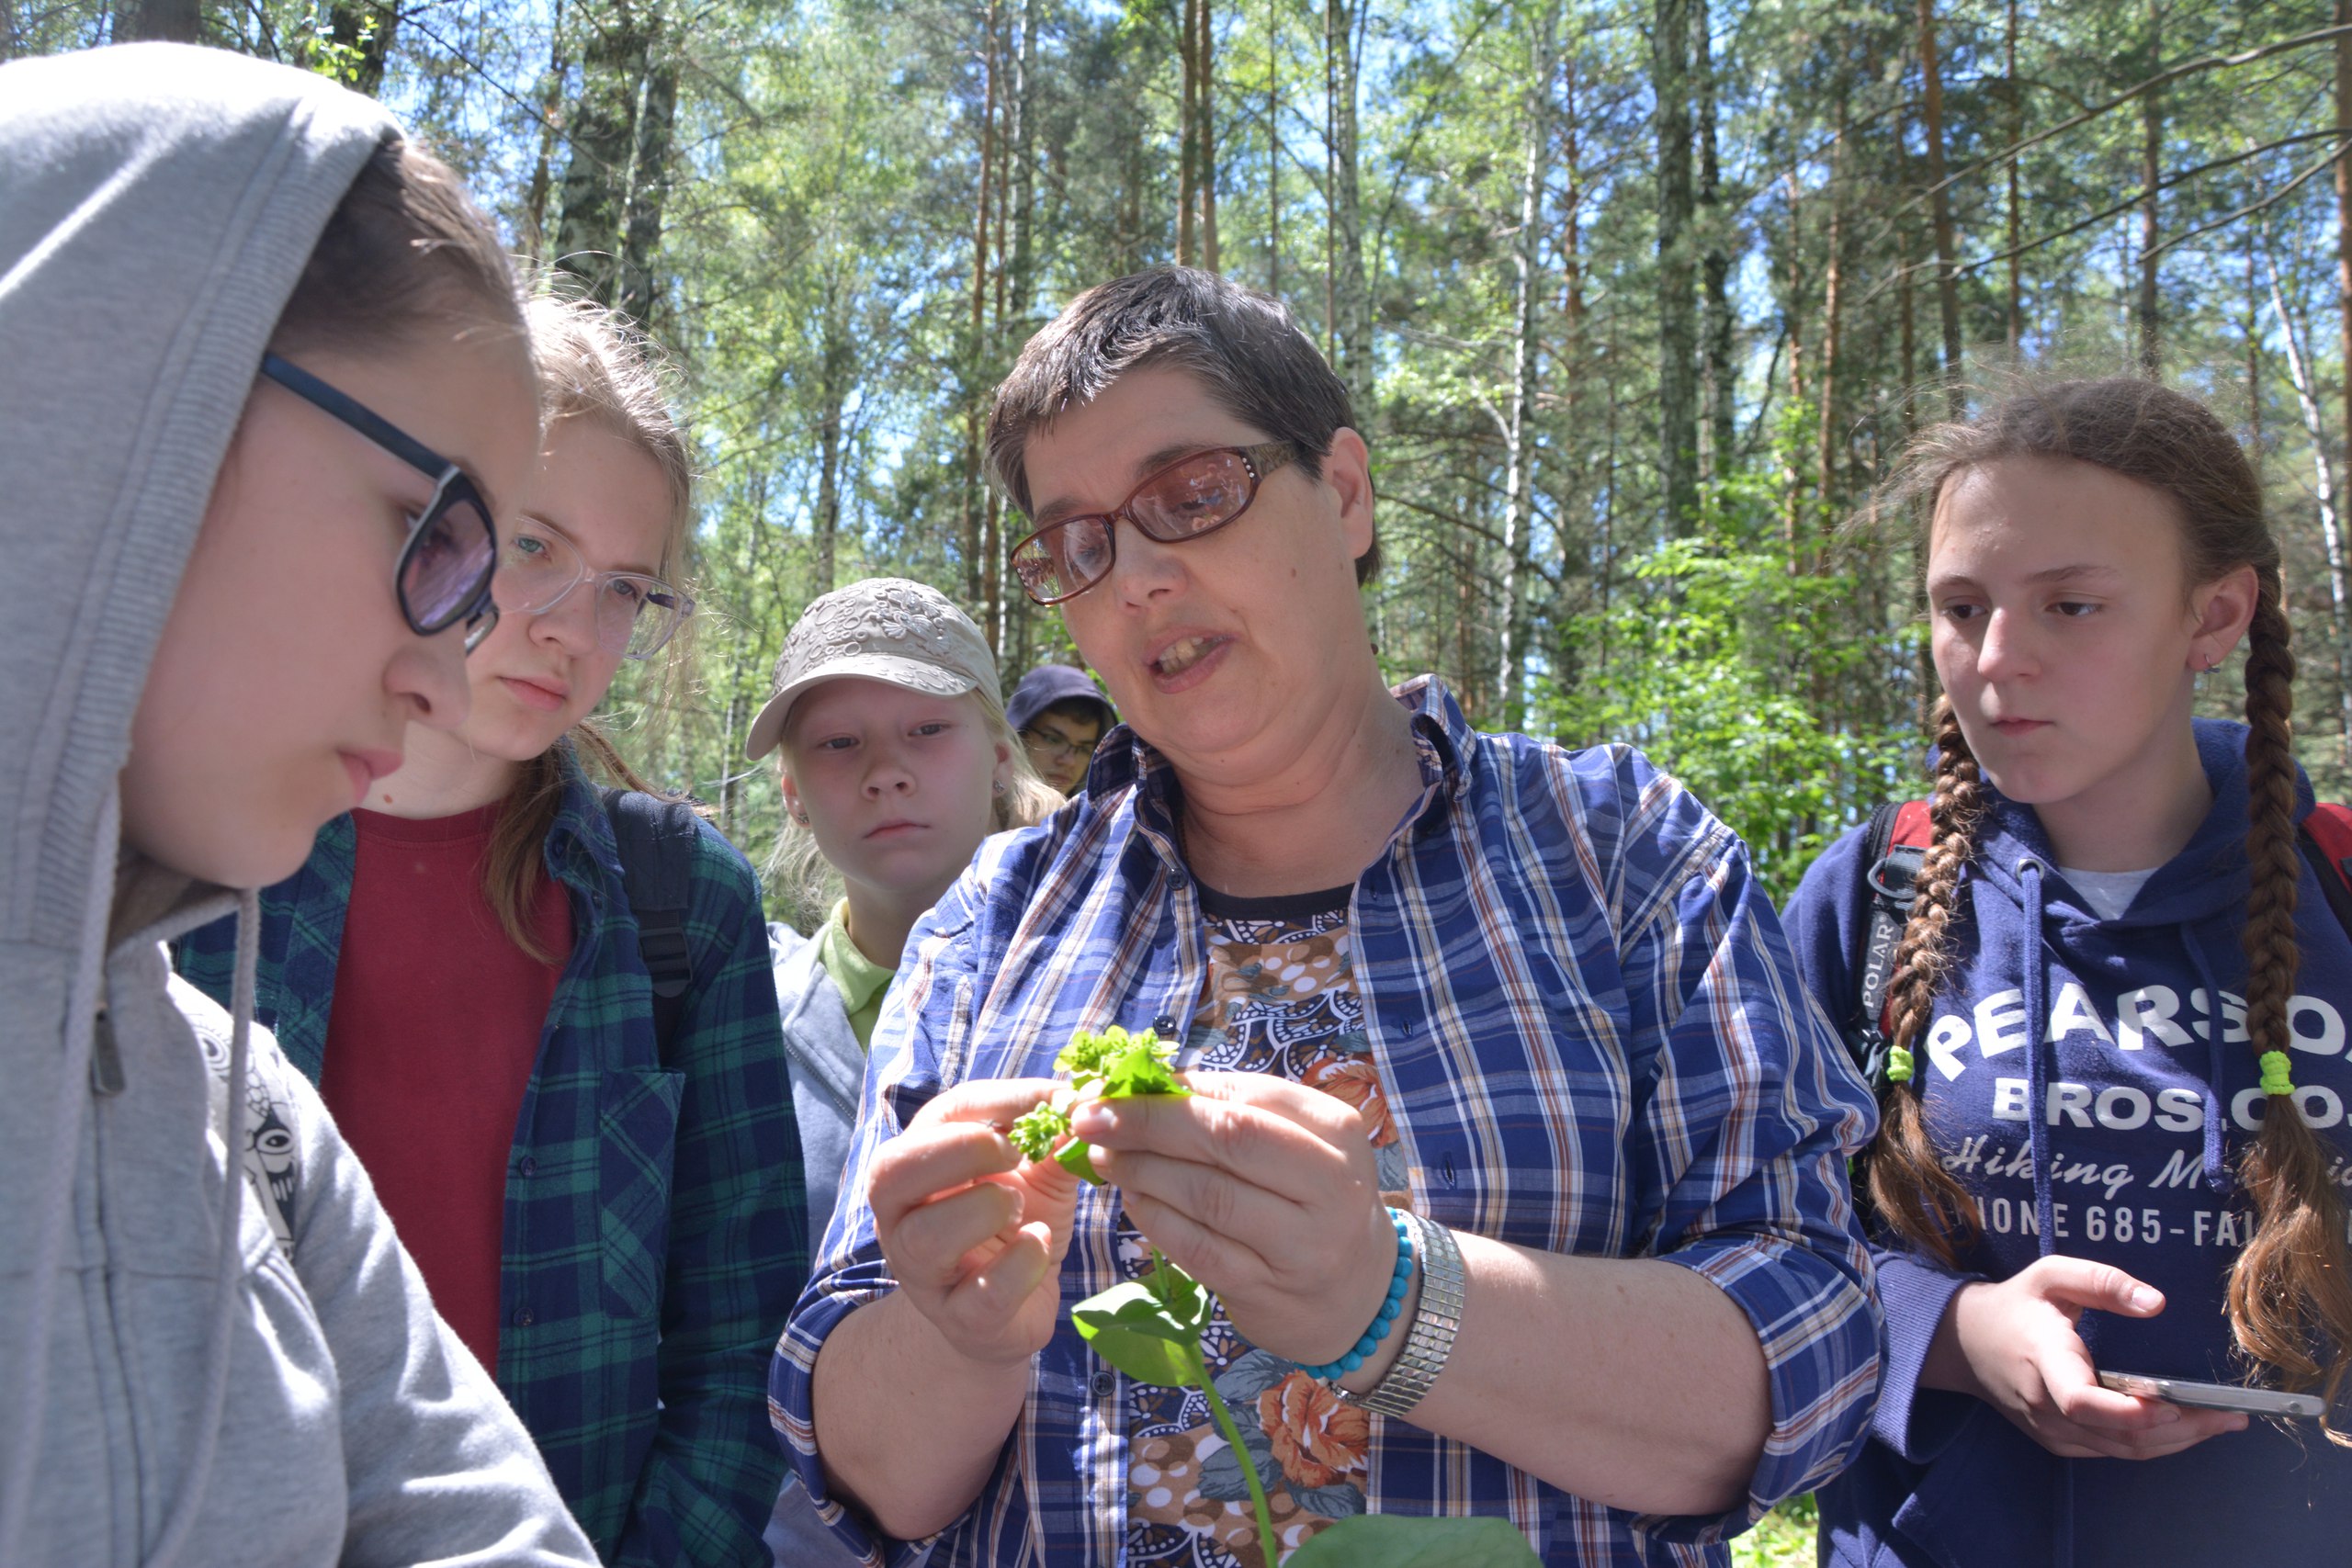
(1245, 348)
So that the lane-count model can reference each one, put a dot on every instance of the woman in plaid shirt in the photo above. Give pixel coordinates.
(612, 1222)
(1534, 1000)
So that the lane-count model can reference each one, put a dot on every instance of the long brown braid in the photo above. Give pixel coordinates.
(2290, 1301)
(1913, 1193)
(2290, 1305)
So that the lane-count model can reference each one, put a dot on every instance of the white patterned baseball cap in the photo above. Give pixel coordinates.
(884, 629)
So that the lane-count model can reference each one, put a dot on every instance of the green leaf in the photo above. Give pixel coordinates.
(1177, 1291)
(1036, 1133)
(1141, 1069)
(1131, 1328)
(1394, 1540)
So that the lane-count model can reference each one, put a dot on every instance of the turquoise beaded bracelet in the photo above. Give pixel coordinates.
(1383, 1320)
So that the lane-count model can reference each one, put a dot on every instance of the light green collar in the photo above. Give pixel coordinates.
(860, 980)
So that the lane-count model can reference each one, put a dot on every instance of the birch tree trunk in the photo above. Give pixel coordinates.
(2331, 533)
(2016, 134)
(1511, 699)
(975, 390)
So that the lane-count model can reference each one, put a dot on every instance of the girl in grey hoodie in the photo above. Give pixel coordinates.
(261, 376)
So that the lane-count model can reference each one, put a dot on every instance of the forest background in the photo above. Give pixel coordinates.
(1637, 300)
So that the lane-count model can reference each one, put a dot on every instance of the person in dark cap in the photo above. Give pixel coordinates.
(1060, 716)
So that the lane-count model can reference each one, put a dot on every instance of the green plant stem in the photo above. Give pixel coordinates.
(1249, 1462)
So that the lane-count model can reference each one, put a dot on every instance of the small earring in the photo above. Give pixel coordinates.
(997, 787)
(801, 816)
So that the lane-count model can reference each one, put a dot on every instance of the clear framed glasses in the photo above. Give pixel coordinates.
(1055, 748)
(442, 576)
(1190, 498)
(539, 565)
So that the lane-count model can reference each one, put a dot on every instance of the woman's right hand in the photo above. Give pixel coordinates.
(2014, 1345)
(974, 1235)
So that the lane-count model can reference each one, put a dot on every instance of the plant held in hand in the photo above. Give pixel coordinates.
(1151, 1328)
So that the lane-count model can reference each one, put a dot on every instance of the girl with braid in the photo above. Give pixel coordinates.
(2113, 1121)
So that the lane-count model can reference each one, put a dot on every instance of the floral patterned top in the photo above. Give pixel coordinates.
(1282, 999)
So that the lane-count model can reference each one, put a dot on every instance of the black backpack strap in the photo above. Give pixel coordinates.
(2333, 873)
(656, 839)
(1886, 896)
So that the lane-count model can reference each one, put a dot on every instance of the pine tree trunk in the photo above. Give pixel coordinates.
(2151, 135)
(1342, 19)
(649, 187)
(166, 21)
(835, 367)
(602, 134)
(2016, 134)
(1715, 267)
(975, 371)
(1678, 351)
(1273, 147)
(1204, 54)
(1188, 140)
(1826, 466)
(1510, 700)
(535, 203)
(1939, 207)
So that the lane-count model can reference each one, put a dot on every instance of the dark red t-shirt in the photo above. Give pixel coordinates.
(430, 1042)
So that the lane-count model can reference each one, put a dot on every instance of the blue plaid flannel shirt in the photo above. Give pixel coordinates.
(655, 1216)
(1593, 1041)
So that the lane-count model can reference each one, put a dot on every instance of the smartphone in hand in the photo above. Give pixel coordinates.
(2216, 1395)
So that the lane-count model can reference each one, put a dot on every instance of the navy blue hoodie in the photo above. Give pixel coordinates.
(2143, 1108)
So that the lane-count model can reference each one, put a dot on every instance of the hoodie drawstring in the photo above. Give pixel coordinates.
(55, 1201)
(2217, 1165)
(2037, 1050)
(181, 1521)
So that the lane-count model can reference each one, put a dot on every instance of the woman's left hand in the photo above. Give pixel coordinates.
(1264, 1190)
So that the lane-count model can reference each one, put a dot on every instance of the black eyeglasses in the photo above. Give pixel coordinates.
(445, 571)
(1189, 499)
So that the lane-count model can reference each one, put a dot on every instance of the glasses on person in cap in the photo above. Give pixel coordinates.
(540, 566)
(1189, 499)
(444, 573)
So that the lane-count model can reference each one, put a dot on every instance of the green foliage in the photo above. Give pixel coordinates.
(1112, 1065)
(1718, 671)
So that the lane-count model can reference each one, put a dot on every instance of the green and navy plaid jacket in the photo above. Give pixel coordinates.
(655, 1220)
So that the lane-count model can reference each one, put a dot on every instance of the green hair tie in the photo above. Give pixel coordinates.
(1898, 1065)
(2276, 1077)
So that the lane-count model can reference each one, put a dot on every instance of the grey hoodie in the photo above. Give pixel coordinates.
(206, 1358)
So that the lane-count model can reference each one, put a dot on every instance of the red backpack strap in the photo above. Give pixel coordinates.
(2327, 838)
(1915, 829)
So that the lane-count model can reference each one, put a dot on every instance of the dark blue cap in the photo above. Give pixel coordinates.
(1050, 684)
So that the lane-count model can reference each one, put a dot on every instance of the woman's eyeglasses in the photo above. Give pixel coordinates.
(1190, 497)
(540, 566)
(444, 575)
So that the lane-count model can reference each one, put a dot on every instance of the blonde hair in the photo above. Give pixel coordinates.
(595, 367)
(805, 883)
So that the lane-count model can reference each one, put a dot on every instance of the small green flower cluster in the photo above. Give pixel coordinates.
(1112, 1065)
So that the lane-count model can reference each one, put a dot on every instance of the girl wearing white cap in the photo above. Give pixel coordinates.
(897, 761)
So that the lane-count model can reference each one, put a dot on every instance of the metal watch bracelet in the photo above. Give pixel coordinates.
(1436, 1319)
